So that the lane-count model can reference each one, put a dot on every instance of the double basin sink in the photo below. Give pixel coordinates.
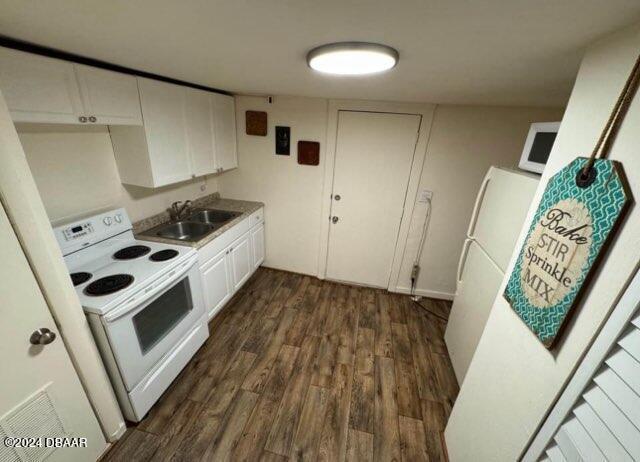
(196, 226)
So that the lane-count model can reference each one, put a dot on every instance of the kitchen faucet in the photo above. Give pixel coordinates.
(177, 210)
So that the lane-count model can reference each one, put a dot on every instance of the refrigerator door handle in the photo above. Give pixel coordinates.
(478, 204)
(463, 259)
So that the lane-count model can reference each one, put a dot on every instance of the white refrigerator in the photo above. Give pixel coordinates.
(500, 210)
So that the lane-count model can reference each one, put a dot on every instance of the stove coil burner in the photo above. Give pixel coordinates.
(129, 253)
(80, 278)
(164, 255)
(109, 284)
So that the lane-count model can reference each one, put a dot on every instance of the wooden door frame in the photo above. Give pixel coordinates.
(334, 107)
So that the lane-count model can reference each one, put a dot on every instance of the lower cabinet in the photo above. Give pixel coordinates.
(240, 253)
(223, 274)
(257, 242)
(217, 282)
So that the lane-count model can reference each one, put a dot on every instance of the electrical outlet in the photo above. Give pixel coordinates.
(425, 195)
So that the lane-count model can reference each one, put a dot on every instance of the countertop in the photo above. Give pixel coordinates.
(212, 201)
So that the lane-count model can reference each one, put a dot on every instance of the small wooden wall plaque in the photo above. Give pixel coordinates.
(256, 123)
(308, 153)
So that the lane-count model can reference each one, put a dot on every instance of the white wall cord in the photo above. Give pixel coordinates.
(415, 269)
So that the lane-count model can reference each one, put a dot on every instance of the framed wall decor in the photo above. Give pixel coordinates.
(256, 123)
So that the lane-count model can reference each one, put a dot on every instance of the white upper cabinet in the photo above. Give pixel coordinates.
(39, 89)
(156, 154)
(186, 133)
(200, 131)
(110, 97)
(163, 109)
(224, 113)
(161, 133)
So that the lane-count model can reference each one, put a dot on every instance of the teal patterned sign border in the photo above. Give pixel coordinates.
(605, 200)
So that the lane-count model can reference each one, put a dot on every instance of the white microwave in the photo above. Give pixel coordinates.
(538, 146)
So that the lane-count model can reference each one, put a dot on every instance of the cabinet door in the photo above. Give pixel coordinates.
(242, 260)
(163, 106)
(112, 98)
(39, 89)
(257, 243)
(224, 110)
(200, 136)
(217, 282)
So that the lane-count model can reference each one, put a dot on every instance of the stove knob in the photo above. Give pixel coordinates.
(118, 218)
(107, 221)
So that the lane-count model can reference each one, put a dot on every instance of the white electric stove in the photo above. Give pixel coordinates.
(143, 300)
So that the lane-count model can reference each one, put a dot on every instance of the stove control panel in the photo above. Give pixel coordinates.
(92, 229)
(77, 231)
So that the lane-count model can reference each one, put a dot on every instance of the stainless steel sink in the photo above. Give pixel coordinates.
(200, 223)
(212, 216)
(184, 230)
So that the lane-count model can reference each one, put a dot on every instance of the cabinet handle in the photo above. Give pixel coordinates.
(93, 119)
(82, 119)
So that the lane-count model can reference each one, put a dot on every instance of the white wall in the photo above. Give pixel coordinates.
(513, 380)
(76, 173)
(291, 192)
(464, 142)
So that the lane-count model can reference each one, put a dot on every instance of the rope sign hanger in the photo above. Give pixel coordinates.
(610, 131)
(579, 212)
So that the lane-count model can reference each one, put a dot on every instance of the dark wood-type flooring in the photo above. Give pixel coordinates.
(302, 369)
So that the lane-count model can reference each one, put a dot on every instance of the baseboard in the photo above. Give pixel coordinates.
(398, 290)
(425, 293)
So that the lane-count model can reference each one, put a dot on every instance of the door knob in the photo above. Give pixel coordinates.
(334, 219)
(337, 197)
(93, 119)
(42, 336)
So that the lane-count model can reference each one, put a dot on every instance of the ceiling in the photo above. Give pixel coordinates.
(498, 52)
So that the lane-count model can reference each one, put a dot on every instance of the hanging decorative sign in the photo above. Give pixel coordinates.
(578, 212)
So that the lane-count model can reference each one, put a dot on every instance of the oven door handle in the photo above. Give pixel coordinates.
(150, 292)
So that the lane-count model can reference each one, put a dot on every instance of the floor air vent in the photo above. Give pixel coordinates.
(34, 417)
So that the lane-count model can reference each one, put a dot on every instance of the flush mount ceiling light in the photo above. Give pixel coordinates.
(352, 58)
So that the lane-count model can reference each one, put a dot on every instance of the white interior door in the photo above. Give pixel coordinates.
(41, 393)
(374, 153)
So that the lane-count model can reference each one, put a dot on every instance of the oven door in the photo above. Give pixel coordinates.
(148, 325)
